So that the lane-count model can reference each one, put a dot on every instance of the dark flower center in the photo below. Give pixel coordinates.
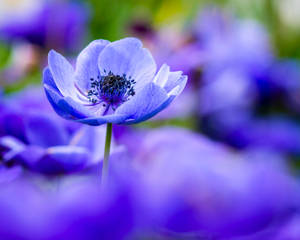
(112, 90)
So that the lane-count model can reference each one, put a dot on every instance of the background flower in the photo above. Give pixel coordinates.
(69, 148)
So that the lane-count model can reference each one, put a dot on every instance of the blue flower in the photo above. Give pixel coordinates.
(45, 23)
(114, 82)
(195, 186)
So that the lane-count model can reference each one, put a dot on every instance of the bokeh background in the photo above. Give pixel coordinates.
(221, 162)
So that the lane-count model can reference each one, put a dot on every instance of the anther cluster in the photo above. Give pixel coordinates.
(111, 89)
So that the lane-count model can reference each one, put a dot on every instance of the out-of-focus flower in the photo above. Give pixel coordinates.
(230, 89)
(113, 83)
(242, 130)
(284, 84)
(277, 133)
(290, 230)
(237, 57)
(198, 187)
(8, 175)
(50, 24)
(79, 210)
(228, 42)
(42, 142)
(175, 187)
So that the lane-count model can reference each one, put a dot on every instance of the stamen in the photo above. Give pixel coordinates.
(112, 90)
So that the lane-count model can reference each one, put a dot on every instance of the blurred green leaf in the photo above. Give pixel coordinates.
(4, 54)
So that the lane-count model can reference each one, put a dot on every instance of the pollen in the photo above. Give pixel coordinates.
(111, 90)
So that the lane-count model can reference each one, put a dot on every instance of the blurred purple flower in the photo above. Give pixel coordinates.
(276, 133)
(237, 58)
(113, 83)
(290, 230)
(51, 24)
(179, 187)
(42, 142)
(79, 211)
(284, 83)
(231, 89)
(228, 42)
(197, 187)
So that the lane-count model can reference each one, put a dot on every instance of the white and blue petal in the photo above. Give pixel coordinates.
(172, 82)
(178, 85)
(49, 81)
(112, 118)
(63, 76)
(10, 147)
(127, 56)
(149, 114)
(162, 76)
(66, 107)
(144, 102)
(155, 96)
(87, 64)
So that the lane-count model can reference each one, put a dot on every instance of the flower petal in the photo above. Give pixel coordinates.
(66, 107)
(175, 79)
(93, 139)
(178, 88)
(144, 103)
(96, 121)
(87, 64)
(48, 79)
(127, 56)
(29, 155)
(162, 75)
(62, 159)
(152, 113)
(63, 74)
(170, 80)
(39, 126)
(10, 147)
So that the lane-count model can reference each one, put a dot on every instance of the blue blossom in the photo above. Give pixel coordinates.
(198, 187)
(45, 23)
(78, 211)
(220, 35)
(186, 185)
(114, 82)
(275, 132)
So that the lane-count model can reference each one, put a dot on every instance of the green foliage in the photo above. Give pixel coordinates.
(4, 54)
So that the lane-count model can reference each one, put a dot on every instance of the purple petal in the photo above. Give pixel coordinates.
(144, 103)
(63, 74)
(170, 80)
(95, 121)
(87, 64)
(152, 113)
(127, 56)
(92, 139)
(64, 159)
(9, 174)
(44, 131)
(48, 79)
(10, 147)
(66, 107)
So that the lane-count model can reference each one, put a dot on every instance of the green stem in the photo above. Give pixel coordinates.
(106, 154)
